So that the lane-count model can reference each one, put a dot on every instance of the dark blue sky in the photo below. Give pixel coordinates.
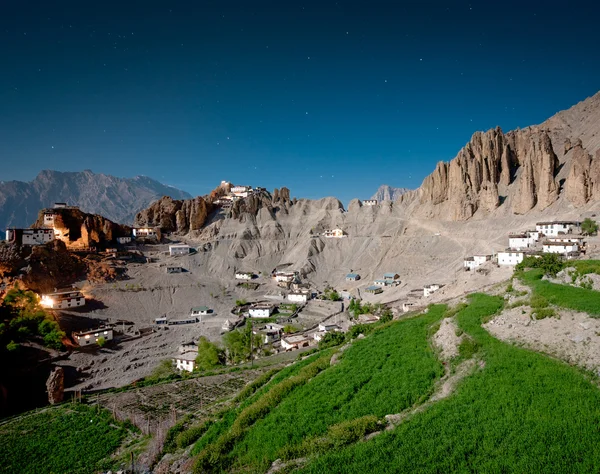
(325, 97)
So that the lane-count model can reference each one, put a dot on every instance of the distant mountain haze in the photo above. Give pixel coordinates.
(389, 193)
(118, 199)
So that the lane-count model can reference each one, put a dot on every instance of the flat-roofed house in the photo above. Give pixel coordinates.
(519, 241)
(173, 269)
(475, 261)
(391, 276)
(92, 336)
(261, 310)
(299, 296)
(334, 234)
(294, 342)
(179, 249)
(186, 361)
(374, 289)
(431, 288)
(30, 236)
(510, 257)
(554, 228)
(369, 202)
(144, 232)
(244, 275)
(200, 311)
(64, 299)
(560, 247)
(352, 277)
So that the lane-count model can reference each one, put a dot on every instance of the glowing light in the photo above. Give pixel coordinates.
(47, 301)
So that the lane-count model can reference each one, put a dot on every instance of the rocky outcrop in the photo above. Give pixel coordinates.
(522, 163)
(55, 386)
(583, 183)
(172, 215)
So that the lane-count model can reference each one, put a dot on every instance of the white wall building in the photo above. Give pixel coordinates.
(30, 236)
(85, 338)
(534, 235)
(334, 234)
(286, 276)
(244, 275)
(475, 261)
(563, 238)
(179, 249)
(430, 289)
(144, 232)
(261, 310)
(560, 247)
(63, 299)
(200, 311)
(552, 229)
(369, 202)
(294, 342)
(123, 240)
(298, 296)
(519, 241)
(241, 191)
(510, 257)
(186, 361)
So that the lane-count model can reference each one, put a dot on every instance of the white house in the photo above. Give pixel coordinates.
(391, 276)
(571, 239)
(299, 296)
(510, 257)
(186, 361)
(430, 289)
(409, 306)
(475, 261)
(60, 205)
(63, 299)
(144, 232)
(534, 235)
(518, 241)
(329, 327)
(85, 338)
(244, 275)
(552, 229)
(294, 342)
(560, 247)
(173, 269)
(241, 191)
(319, 335)
(123, 240)
(352, 277)
(188, 347)
(200, 311)
(369, 202)
(286, 276)
(261, 310)
(49, 218)
(334, 234)
(274, 327)
(30, 236)
(179, 249)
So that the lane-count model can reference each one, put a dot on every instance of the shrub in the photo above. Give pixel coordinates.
(542, 313)
(331, 339)
(191, 435)
(550, 263)
(101, 342)
(468, 348)
(589, 226)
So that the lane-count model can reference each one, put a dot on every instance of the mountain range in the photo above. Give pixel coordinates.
(388, 193)
(118, 199)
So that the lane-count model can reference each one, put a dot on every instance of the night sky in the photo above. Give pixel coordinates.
(325, 97)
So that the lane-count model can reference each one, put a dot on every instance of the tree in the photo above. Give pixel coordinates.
(550, 263)
(289, 329)
(101, 342)
(589, 226)
(331, 339)
(209, 355)
(386, 316)
(334, 296)
(240, 345)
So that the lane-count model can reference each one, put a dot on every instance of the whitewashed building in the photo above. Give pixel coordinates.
(369, 202)
(299, 296)
(327, 327)
(241, 191)
(123, 240)
(65, 299)
(334, 234)
(86, 338)
(475, 261)
(144, 232)
(179, 249)
(30, 236)
(286, 276)
(430, 289)
(49, 218)
(294, 342)
(552, 229)
(576, 239)
(519, 241)
(510, 257)
(244, 275)
(200, 311)
(534, 235)
(560, 247)
(186, 361)
(261, 310)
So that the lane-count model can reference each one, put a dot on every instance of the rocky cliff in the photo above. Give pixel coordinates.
(119, 199)
(520, 171)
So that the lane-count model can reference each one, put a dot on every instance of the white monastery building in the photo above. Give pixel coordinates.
(144, 232)
(510, 257)
(30, 236)
(369, 202)
(552, 229)
(519, 241)
(560, 247)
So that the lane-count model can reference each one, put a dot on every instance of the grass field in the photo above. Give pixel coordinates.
(565, 296)
(64, 439)
(387, 372)
(523, 412)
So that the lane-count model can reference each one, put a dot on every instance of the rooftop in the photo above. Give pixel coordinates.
(295, 339)
(373, 288)
(200, 308)
(187, 356)
(92, 331)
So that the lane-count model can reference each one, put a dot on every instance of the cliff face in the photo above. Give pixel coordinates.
(175, 215)
(389, 193)
(522, 169)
